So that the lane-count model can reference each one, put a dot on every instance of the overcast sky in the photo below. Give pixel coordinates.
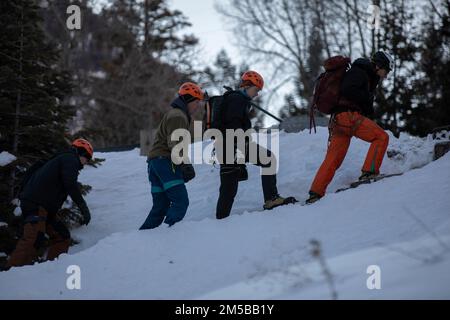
(207, 25)
(214, 34)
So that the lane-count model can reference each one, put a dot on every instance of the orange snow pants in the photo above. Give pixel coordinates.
(27, 247)
(343, 127)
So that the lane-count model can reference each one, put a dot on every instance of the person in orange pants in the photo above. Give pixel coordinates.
(349, 119)
(346, 125)
(34, 237)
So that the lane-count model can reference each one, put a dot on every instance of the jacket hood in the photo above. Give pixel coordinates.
(244, 93)
(179, 103)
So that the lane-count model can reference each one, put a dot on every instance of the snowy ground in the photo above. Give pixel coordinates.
(400, 224)
(6, 158)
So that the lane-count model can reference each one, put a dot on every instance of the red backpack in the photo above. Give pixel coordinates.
(327, 87)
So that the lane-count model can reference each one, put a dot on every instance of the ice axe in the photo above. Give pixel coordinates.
(258, 107)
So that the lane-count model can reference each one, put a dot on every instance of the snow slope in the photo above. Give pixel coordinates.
(400, 224)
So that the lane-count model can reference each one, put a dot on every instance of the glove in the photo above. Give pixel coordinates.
(85, 213)
(243, 174)
(188, 171)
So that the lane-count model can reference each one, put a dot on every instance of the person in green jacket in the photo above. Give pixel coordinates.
(170, 197)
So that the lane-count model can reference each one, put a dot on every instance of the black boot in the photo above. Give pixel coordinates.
(313, 197)
(365, 175)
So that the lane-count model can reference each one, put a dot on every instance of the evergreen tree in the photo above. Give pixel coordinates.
(222, 73)
(304, 88)
(398, 38)
(146, 68)
(432, 88)
(33, 117)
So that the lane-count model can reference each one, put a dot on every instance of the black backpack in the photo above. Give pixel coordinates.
(213, 117)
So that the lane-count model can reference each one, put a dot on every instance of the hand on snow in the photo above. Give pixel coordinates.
(86, 214)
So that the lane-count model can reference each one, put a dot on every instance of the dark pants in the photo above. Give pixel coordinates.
(229, 179)
(170, 197)
(35, 228)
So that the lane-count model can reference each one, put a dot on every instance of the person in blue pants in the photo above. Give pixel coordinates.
(167, 180)
(170, 197)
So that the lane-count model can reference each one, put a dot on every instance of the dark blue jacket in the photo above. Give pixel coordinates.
(50, 185)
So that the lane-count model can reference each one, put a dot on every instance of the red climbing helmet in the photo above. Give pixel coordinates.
(192, 89)
(85, 145)
(253, 77)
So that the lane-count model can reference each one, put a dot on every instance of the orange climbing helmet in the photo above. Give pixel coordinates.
(253, 77)
(84, 144)
(192, 89)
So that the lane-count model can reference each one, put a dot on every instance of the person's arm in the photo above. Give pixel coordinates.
(69, 173)
(186, 167)
(172, 124)
(355, 87)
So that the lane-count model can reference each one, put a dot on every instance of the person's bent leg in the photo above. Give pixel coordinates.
(229, 181)
(337, 149)
(160, 201)
(268, 163)
(32, 239)
(369, 131)
(159, 210)
(179, 203)
(59, 239)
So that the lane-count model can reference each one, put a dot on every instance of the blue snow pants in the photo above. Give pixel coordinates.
(170, 198)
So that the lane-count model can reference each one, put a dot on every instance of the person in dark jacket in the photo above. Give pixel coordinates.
(351, 118)
(235, 115)
(170, 197)
(42, 197)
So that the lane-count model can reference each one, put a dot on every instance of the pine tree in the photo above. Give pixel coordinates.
(222, 73)
(432, 88)
(398, 39)
(33, 117)
(146, 68)
(304, 85)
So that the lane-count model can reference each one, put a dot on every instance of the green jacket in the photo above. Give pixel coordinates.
(176, 118)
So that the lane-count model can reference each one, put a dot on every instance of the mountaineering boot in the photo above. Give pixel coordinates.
(313, 197)
(367, 176)
(278, 201)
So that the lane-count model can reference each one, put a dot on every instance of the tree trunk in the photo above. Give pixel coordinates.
(15, 146)
(374, 42)
(146, 37)
(358, 23)
(349, 28)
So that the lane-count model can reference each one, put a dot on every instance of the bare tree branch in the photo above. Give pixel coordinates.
(433, 6)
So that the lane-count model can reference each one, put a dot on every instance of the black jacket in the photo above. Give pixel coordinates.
(235, 108)
(358, 88)
(50, 185)
(234, 115)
